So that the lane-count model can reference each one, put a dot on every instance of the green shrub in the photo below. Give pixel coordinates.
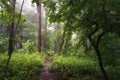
(29, 47)
(113, 72)
(75, 68)
(3, 45)
(21, 67)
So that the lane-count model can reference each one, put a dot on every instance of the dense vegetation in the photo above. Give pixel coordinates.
(80, 37)
(75, 68)
(21, 67)
(82, 68)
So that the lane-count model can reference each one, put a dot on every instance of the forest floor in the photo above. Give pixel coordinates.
(46, 75)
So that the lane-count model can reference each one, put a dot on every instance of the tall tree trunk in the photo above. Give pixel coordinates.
(11, 34)
(39, 26)
(100, 61)
(21, 37)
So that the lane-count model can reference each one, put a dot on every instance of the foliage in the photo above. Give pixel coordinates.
(29, 47)
(113, 72)
(110, 48)
(22, 66)
(93, 19)
(3, 45)
(81, 16)
(54, 37)
(36, 1)
(75, 68)
(6, 16)
(82, 68)
(85, 18)
(29, 31)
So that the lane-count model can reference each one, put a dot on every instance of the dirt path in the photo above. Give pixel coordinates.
(46, 75)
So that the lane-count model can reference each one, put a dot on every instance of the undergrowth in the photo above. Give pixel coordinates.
(82, 68)
(21, 67)
(74, 68)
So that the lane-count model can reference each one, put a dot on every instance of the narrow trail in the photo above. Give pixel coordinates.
(46, 75)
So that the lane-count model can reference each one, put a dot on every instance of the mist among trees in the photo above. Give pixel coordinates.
(59, 39)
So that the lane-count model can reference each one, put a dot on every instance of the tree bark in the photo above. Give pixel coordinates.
(39, 26)
(11, 34)
(95, 45)
(100, 60)
(62, 41)
(98, 53)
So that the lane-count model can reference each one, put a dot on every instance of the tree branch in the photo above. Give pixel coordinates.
(21, 9)
(104, 11)
(93, 32)
(102, 34)
(19, 17)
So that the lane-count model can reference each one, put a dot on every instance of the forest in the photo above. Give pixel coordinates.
(59, 39)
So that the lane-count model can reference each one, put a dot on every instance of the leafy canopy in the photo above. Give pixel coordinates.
(82, 15)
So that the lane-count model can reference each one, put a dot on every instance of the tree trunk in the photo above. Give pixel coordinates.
(11, 40)
(100, 62)
(62, 41)
(95, 45)
(11, 34)
(39, 26)
(65, 46)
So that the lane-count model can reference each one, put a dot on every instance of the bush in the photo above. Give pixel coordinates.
(113, 72)
(21, 67)
(29, 47)
(75, 68)
(3, 45)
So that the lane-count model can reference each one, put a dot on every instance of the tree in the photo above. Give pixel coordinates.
(11, 33)
(93, 19)
(19, 44)
(39, 26)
